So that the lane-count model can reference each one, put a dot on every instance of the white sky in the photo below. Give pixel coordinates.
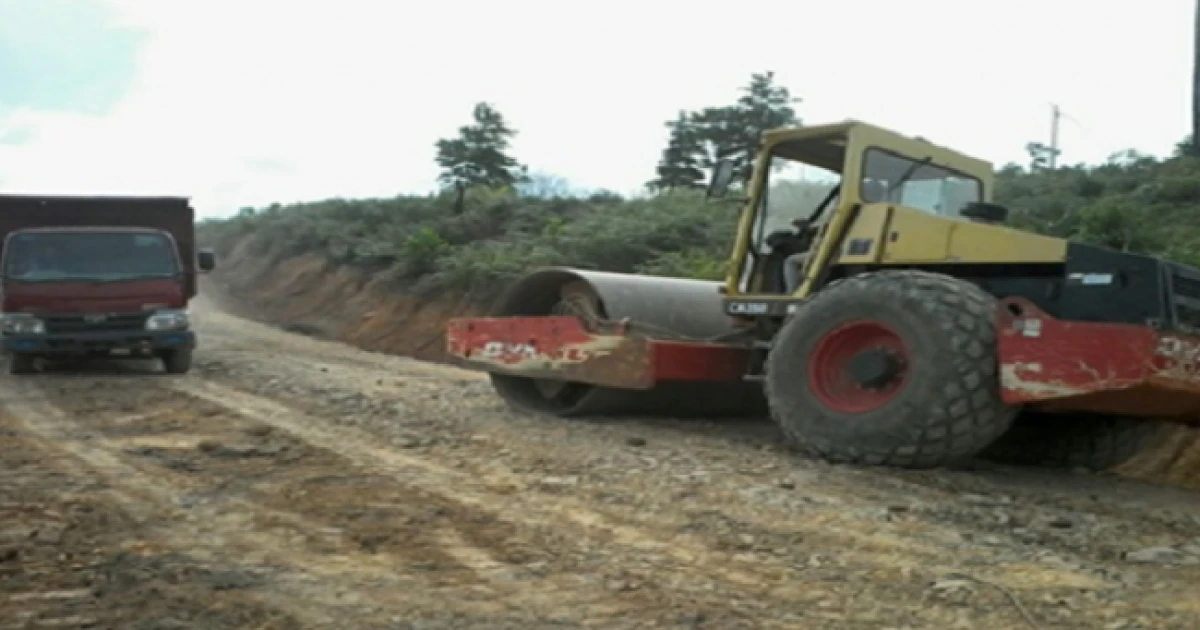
(250, 102)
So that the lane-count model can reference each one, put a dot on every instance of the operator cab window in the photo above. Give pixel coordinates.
(802, 187)
(892, 178)
(797, 188)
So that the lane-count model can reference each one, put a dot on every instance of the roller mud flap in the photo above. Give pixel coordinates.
(1119, 369)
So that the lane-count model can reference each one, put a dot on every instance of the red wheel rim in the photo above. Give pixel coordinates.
(829, 375)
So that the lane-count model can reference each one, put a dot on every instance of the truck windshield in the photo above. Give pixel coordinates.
(95, 256)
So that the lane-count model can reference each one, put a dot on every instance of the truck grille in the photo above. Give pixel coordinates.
(90, 322)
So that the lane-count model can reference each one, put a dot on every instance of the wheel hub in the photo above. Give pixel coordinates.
(875, 368)
(858, 367)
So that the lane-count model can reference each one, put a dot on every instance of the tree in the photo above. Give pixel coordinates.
(734, 132)
(731, 132)
(680, 164)
(478, 156)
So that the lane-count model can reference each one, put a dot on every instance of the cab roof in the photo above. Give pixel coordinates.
(825, 146)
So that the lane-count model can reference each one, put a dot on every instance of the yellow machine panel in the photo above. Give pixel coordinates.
(915, 237)
(975, 242)
(864, 240)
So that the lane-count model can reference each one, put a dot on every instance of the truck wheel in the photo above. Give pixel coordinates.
(1089, 441)
(177, 361)
(893, 368)
(20, 364)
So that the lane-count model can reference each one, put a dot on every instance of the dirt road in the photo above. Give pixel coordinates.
(293, 483)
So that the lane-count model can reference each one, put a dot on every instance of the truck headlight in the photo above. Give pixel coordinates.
(21, 324)
(168, 320)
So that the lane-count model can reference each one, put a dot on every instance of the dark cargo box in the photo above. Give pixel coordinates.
(173, 215)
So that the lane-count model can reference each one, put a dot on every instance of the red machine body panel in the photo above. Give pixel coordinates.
(1043, 361)
(562, 348)
(1107, 368)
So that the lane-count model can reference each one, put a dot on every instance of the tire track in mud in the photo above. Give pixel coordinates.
(143, 503)
(70, 558)
(672, 565)
(217, 530)
(846, 509)
(360, 511)
(834, 540)
(633, 577)
(498, 493)
(875, 550)
(894, 531)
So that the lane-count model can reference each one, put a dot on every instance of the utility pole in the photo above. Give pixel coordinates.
(1055, 116)
(1043, 156)
(1196, 84)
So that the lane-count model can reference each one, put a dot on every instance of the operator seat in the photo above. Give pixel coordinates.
(873, 191)
(783, 245)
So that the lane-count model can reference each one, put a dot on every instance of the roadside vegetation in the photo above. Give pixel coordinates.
(493, 220)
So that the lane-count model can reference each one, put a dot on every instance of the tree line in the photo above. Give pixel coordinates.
(1132, 202)
(473, 244)
(480, 155)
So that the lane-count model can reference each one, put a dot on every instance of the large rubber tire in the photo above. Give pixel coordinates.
(20, 364)
(177, 361)
(945, 411)
(1086, 441)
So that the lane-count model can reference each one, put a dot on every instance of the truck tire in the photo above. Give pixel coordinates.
(177, 361)
(924, 391)
(1088, 441)
(20, 363)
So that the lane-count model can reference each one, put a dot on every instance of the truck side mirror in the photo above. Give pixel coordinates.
(722, 176)
(206, 260)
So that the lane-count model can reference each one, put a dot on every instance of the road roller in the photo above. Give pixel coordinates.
(893, 319)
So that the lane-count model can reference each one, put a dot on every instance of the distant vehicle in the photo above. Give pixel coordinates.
(98, 276)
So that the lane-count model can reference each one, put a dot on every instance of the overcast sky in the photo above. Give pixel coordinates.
(249, 102)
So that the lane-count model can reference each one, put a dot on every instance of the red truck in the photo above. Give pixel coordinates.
(98, 276)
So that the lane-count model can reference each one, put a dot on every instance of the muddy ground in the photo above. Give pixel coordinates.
(294, 483)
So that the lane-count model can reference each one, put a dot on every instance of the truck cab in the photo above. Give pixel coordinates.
(98, 277)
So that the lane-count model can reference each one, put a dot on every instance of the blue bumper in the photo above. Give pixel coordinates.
(99, 342)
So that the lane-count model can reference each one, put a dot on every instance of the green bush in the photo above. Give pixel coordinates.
(497, 238)
(1132, 203)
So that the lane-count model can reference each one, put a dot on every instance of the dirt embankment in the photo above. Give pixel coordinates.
(307, 295)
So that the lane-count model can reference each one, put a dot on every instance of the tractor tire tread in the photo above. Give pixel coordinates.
(1085, 441)
(958, 420)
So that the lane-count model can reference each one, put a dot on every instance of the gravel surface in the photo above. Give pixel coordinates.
(293, 483)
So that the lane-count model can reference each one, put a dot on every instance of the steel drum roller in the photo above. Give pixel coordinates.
(657, 308)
